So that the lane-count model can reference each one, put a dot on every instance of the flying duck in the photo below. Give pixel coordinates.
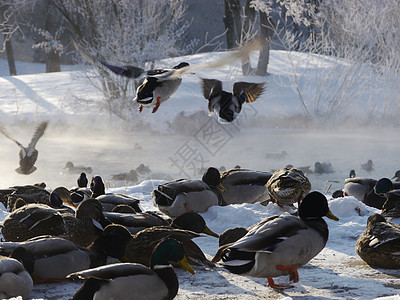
(27, 155)
(229, 104)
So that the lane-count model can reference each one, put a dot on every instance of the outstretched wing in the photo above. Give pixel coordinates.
(211, 88)
(126, 71)
(251, 90)
(4, 131)
(38, 133)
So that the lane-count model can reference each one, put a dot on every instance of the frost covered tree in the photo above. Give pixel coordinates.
(8, 26)
(135, 32)
(241, 26)
(361, 37)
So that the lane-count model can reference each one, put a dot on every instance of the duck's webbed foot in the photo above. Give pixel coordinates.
(292, 270)
(280, 286)
(157, 105)
(140, 108)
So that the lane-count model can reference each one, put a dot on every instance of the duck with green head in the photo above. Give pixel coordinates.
(136, 281)
(278, 245)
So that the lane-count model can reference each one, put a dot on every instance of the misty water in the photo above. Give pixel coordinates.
(169, 155)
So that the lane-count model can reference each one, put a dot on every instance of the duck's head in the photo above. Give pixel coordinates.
(315, 205)
(194, 222)
(113, 241)
(352, 174)
(170, 251)
(122, 235)
(181, 65)
(97, 186)
(25, 257)
(91, 208)
(396, 175)
(60, 195)
(375, 218)
(213, 178)
(383, 185)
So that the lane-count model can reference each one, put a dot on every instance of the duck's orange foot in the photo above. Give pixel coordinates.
(140, 108)
(292, 270)
(157, 105)
(280, 286)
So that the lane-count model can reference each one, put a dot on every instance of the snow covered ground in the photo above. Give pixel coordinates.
(175, 144)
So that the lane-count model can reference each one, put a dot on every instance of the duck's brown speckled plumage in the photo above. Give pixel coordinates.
(287, 186)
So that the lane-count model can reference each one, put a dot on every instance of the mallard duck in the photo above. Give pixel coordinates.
(110, 200)
(158, 85)
(28, 155)
(29, 193)
(130, 176)
(194, 222)
(179, 196)
(391, 207)
(362, 188)
(58, 197)
(87, 224)
(229, 104)
(287, 186)
(279, 245)
(54, 258)
(32, 220)
(135, 222)
(379, 245)
(244, 186)
(136, 281)
(15, 280)
(368, 166)
(323, 168)
(72, 169)
(138, 249)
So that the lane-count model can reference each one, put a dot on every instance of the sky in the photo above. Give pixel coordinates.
(181, 139)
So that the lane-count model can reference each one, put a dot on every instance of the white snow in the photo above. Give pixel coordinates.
(82, 131)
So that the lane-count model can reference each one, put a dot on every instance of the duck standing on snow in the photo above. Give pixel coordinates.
(136, 281)
(229, 104)
(279, 245)
(379, 245)
(28, 155)
(176, 197)
(287, 186)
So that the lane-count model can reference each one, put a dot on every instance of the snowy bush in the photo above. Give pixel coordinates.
(363, 34)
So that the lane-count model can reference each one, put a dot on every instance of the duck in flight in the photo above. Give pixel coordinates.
(27, 155)
(229, 104)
